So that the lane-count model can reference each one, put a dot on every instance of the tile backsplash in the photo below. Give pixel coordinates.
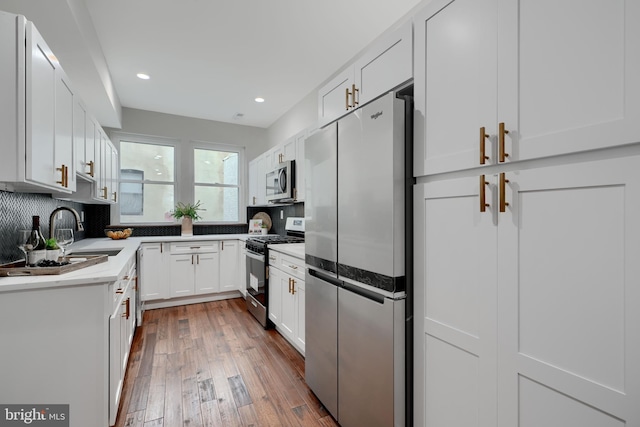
(295, 210)
(16, 210)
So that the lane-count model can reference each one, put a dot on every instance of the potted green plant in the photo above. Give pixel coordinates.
(187, 212)
(52, 249)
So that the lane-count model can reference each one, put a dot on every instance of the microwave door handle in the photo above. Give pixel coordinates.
(282, 180)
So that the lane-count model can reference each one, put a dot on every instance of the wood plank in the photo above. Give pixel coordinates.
(212, 364)
(239, 391)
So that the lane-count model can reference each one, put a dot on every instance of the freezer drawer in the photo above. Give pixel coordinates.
(371, 365)
(321, 355)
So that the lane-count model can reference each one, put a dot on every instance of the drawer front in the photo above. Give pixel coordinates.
(292, 265)
(274, 258)
(194, 247)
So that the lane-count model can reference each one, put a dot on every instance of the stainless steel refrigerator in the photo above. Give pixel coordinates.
(355, 246)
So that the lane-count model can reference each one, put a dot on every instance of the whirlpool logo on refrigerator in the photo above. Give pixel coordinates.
(376, 115)
(35, 415)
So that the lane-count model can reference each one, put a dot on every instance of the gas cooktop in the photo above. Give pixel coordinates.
(276, 238)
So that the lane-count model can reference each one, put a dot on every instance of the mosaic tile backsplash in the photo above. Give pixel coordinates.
(16, 210)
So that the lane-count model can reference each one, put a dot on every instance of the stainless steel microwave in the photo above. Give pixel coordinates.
(281, 182)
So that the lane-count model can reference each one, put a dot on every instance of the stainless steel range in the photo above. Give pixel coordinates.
(258, 266)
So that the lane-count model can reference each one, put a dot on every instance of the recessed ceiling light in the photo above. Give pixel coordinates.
(259, 99)
(143, 76)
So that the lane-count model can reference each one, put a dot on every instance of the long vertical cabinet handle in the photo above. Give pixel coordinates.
(346, 98)
(289, 284)
(503, 193)
(483, 184)
(501, 134)
(353, 94)
(293, 286)
(483, 137)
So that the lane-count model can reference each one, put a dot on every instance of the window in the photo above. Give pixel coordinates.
(147, 182)
(157, 172)
(216, 184)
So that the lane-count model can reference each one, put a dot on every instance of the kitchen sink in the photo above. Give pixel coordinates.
(109, 252)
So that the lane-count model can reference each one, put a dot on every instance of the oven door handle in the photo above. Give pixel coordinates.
(255, 256)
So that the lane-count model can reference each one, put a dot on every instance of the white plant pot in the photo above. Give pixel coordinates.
(187, 226)
(52, 254)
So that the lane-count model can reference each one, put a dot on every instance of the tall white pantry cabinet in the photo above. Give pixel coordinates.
(527, 213)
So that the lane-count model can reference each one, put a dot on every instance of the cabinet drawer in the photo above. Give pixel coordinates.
(194, 247)
(274, 259)
(292, 265)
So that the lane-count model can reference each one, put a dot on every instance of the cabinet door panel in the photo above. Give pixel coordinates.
(40, 110)
(386, 65)
(455, 84)
(331, 98)
(289, 317)
(455, 263)
(566, 88)
(568, 273)
(182, 275)
(207, 272)
(229, 267)
(276, 289)
(64, 130)
(153, 279)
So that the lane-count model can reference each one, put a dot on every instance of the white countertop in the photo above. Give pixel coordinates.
(105, 272)
(292, 249)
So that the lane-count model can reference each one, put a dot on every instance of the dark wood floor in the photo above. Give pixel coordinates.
(212, 364)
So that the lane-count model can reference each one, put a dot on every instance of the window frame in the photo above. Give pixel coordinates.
(184, 172)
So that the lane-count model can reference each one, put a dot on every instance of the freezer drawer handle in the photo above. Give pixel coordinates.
(363, 293)
(325, 277)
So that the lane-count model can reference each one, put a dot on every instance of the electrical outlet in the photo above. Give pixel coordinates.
(281, 214)
(59, 215)
(81, 216)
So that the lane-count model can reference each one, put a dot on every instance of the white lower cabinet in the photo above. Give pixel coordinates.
(527, 290)
(229, 266)
(121, 330)
(154, 281)
(286, 297)
(201, 270)
(194, 268)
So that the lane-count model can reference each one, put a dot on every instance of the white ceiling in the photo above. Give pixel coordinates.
(210, 58)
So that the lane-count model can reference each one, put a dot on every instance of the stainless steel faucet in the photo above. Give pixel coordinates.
(52, 219)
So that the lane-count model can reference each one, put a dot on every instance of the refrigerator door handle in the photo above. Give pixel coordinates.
(363, 292)
(325, 277)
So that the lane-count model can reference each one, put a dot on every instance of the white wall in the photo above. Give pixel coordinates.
(191, 129)
(301, 116)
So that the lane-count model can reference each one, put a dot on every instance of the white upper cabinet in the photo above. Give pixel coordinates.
(37, 106)
(384, 66)
(257, 181)
(63, 149)
(541, 78)
(334, 98)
